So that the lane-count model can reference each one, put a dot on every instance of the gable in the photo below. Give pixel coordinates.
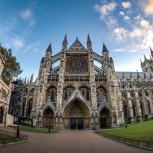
(77, 47)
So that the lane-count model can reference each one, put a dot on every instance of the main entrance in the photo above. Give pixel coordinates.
(76, 123)
(76, 115)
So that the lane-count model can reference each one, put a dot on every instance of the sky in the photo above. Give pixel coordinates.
(124, 26)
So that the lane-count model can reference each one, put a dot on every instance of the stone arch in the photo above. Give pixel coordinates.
(146, 93)
(32, 91)
(86, 92)
(51, 94)
(142, 108)
(148, 107)
(126, 110)
(134, 108)
(26, 90)
(123, 94)
(23, 106)
(48, 117)
(29, 107)
(67, 91)
(105, 118)
(1, 114)
(76, 114)
(102, 95)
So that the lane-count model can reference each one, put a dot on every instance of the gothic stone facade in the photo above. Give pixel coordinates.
(4, 96)
(77, 94)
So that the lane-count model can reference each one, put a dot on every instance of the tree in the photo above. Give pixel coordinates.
(11, 66)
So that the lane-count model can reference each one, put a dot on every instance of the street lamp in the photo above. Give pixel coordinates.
(49, 127)
(18, 128)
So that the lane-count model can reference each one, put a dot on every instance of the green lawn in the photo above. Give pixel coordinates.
(138, 131)
(35, 130)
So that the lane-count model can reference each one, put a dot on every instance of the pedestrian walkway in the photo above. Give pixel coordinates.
(69, 141)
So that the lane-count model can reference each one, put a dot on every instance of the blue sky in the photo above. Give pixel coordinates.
(28, 26)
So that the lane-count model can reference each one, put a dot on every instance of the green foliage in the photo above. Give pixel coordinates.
(137, 131)
(11, 66)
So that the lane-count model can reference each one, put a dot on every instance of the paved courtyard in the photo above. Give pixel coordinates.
(69, 141)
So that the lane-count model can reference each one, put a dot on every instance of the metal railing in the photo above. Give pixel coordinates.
(9, 137)
(138, 143)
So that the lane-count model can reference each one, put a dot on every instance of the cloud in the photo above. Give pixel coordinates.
(119, 50)
(105, 9)
(18, 43)
(135, 33)
(126, 5)
(122, 13)
(27, 16)
(144, 23)
(126, 17)
(120, 33)
(148, 7)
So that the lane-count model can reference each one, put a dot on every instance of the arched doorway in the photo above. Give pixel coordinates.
(76, 115)
(1, 115)
(48, 118)
(105, 118)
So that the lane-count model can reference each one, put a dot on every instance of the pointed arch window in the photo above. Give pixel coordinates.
(67, 92)
(149, 108)
(142, 108)
(134, 108)
(29, 107)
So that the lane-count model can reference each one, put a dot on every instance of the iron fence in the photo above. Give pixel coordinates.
(138, 143)
(9, 137)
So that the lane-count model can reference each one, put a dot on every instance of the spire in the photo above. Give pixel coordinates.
(65, 40)
(88, 40)
(105, 49)
(89, 44)
(25, 80)
(145, 57)
(138, 76)
(140, 61)
(144, 74)
(150, 57)
(65, 43)
(150, 75)
(131, 75)
(42, 60)
(123, 75)
(49, 49)
(31, 79)
(151, 50)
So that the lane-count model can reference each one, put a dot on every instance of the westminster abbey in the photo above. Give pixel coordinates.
(77, 94)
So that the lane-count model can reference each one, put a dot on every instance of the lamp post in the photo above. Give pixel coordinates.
(18, 127)
(49, 127)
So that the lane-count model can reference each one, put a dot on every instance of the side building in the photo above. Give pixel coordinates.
(5, 92)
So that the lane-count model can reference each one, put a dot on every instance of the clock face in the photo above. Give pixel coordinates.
(77, 64)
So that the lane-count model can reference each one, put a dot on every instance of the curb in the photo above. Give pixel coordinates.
(12, 143)
(126, 143)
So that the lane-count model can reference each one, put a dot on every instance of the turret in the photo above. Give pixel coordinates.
(31, 79)
(48, 52)
(145, 57)
(151, 52)
(138, 76)
(144, 74)
(89, 44)
(65, 43)
(141, 62)
(105, 52)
